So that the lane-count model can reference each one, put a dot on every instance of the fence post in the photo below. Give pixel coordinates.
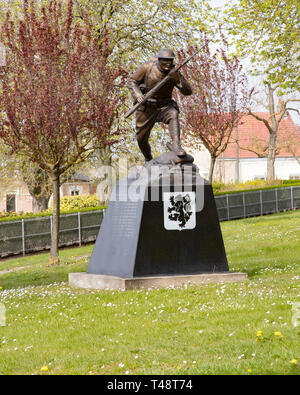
(244, 205)
(261, 202)
(227, 201)
(79, 229)
(23, 238)
(292, 198)
(51, 225)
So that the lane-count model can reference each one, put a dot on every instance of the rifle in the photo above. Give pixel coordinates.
(159, 85)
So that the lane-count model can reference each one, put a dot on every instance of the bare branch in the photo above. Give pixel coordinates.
(293, 109)
(260, 119)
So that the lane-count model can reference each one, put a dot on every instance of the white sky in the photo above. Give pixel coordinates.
(218, 3)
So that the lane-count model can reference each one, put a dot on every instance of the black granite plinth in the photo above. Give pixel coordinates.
(168, 225)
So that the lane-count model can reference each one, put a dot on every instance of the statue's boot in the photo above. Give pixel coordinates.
(175, 145)
(145, 149)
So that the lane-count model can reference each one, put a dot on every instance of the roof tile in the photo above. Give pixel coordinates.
(253, 137)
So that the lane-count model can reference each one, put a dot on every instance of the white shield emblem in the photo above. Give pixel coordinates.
(179, 210)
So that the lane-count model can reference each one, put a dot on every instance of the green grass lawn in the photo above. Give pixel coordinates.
(241, 328)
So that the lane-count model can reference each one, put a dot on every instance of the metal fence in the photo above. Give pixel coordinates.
(34, 234)
(254, 203)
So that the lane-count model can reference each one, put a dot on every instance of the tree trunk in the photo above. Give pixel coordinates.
(275, 120)
(211, 169)
(40, 204)
(271, 156)
(39, 185)
(54, 256)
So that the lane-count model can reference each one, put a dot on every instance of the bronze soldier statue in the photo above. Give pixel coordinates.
(160, 107)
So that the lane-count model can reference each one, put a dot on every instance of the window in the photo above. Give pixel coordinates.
(75, 190)
(11, 202)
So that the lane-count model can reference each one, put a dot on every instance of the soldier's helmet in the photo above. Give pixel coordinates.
(166, 53)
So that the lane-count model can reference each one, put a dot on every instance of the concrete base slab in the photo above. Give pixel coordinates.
(97, 281)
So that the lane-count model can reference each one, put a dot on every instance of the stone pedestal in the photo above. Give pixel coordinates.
(161, 223)
(102, 282)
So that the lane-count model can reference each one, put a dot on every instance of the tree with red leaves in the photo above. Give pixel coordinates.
(59, 95)
(219, 98)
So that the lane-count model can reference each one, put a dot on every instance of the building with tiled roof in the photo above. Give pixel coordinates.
(246, 155)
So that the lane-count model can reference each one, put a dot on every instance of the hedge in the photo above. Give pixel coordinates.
(16, 217)
(257, 185)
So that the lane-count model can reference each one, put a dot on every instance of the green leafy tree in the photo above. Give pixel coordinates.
(140, 28)
(267, 31)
